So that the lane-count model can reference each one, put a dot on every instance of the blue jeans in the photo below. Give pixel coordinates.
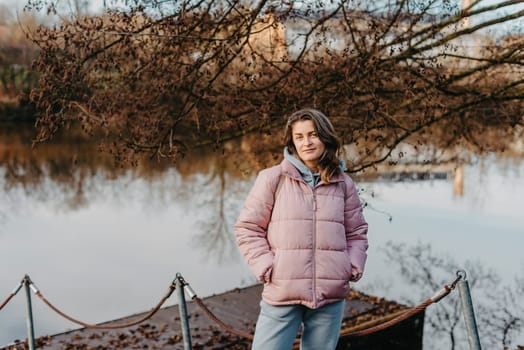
(277, 326)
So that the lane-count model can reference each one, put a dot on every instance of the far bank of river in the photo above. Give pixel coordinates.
(16, 112)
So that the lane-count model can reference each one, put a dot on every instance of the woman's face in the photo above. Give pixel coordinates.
(307, 143)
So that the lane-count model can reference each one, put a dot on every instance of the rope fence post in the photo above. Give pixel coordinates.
(469, 313)
(182, 308)
(29, 320)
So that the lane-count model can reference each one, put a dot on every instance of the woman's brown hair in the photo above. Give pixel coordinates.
(329, 163)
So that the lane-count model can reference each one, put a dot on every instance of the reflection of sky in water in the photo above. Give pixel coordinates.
(485, 224)
(483, 227)
(117, 253)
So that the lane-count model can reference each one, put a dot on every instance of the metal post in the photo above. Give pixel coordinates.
(469, 313)
(183, 311)
(29, 321)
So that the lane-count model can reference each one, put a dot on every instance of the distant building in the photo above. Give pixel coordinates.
(284, 34)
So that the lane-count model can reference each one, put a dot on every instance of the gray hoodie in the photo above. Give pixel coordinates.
(309, 177)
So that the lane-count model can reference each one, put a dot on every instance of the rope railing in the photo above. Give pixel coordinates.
(404, 314)
(13, 293)
(221, 323)
(105, 326)
(30, 284)
(359, 330)
(366, 328)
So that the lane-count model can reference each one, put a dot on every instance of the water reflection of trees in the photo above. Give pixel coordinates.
(72, 170)
(72, 173)
(214, 229)
(217, 195)
(498, 307)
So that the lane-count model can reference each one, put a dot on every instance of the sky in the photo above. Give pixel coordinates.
(17, 5)
(518, 25)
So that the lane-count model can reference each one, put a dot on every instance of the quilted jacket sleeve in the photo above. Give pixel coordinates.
(252, 223)
(356, 229)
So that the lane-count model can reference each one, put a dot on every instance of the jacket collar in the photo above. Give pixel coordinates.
(290, 170)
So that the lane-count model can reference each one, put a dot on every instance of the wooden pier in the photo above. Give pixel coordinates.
(238, 309)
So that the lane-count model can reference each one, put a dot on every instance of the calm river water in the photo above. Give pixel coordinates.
(103, 243)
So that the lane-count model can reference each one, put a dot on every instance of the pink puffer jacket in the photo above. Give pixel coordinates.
(303, 244)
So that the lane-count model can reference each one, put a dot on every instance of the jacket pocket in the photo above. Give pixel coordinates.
(274, 267)
(348, 266)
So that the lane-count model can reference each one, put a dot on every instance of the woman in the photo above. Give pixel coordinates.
(303, 235)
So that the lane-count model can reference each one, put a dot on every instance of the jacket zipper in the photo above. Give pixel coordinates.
(314, 242)
(314, 248)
